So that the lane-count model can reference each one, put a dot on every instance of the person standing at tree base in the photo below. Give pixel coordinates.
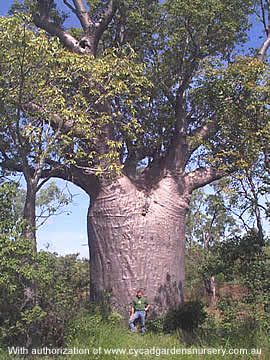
(139, 308)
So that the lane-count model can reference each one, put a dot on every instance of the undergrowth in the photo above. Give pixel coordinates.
(91, 336)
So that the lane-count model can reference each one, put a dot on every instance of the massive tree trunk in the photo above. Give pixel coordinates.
(137, 240)
(136, 231)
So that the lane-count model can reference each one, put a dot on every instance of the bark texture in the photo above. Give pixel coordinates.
(137, 240)
(136, 233)
(29, 214)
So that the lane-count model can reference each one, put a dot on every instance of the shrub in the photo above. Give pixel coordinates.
(40, 292)
(156, 325)
(187, 317)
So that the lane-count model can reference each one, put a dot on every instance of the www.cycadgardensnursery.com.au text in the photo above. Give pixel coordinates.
(156, 351)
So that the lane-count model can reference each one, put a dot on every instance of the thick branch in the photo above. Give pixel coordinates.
(92, 31)
(202, 177)
(264, 48)
(64, 125)
(88, 182)
(106, 18)
(41, 20)
(182, 147)
(200, 134)
(81, 13)
(180, 150)
(11, 165)
(182, 88)
(266, 43)
(176, 155)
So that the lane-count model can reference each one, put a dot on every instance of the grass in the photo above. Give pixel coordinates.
(91, 338)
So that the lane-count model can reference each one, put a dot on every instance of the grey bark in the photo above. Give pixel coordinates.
(93, 31)
(136, 231)
(264, 48)
(137, 240)
(29, 214)
(210, 287)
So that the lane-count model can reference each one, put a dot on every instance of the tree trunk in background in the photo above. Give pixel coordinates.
(210, 287)
(213, 299)
(29, 214)
(137, 240)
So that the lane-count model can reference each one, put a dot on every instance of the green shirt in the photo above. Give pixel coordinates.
(139, 304)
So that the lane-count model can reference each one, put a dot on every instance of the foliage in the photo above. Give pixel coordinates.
(214, 223)
(247, 195)
(11, 226)
(85, 326)
(51, 201)
(89, 324)
(244, 260)
(187, 317)
(16, 266)
(39, 292)
(56, 95)
(236, 96)
(29, 79)
(42, 320)
(174, 39)
(209, 221)
(186, 50)
(54, 106)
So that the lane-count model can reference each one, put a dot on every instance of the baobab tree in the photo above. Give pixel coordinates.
(195, 124)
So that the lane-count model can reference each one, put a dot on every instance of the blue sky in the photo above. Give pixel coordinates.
(67, 233)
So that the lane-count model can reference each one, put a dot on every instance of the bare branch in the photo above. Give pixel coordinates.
(263, 17)
(70, 7)
(63, 125)
(202, 177)
(106, 18)
(92, 31)
(43, 182)
(201, 133)
(81, 13)
(264, 48)
(266, 43)
(41, 20)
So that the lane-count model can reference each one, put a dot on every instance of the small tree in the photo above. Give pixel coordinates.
(243, 259)
(17, 265)
(51, 201)
(35, 318)
(247, 196)
(209, 222)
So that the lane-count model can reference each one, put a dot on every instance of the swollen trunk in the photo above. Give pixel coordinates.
(137, 241)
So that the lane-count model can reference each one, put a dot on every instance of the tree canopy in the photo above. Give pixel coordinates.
(162, 84)
(50, 99)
